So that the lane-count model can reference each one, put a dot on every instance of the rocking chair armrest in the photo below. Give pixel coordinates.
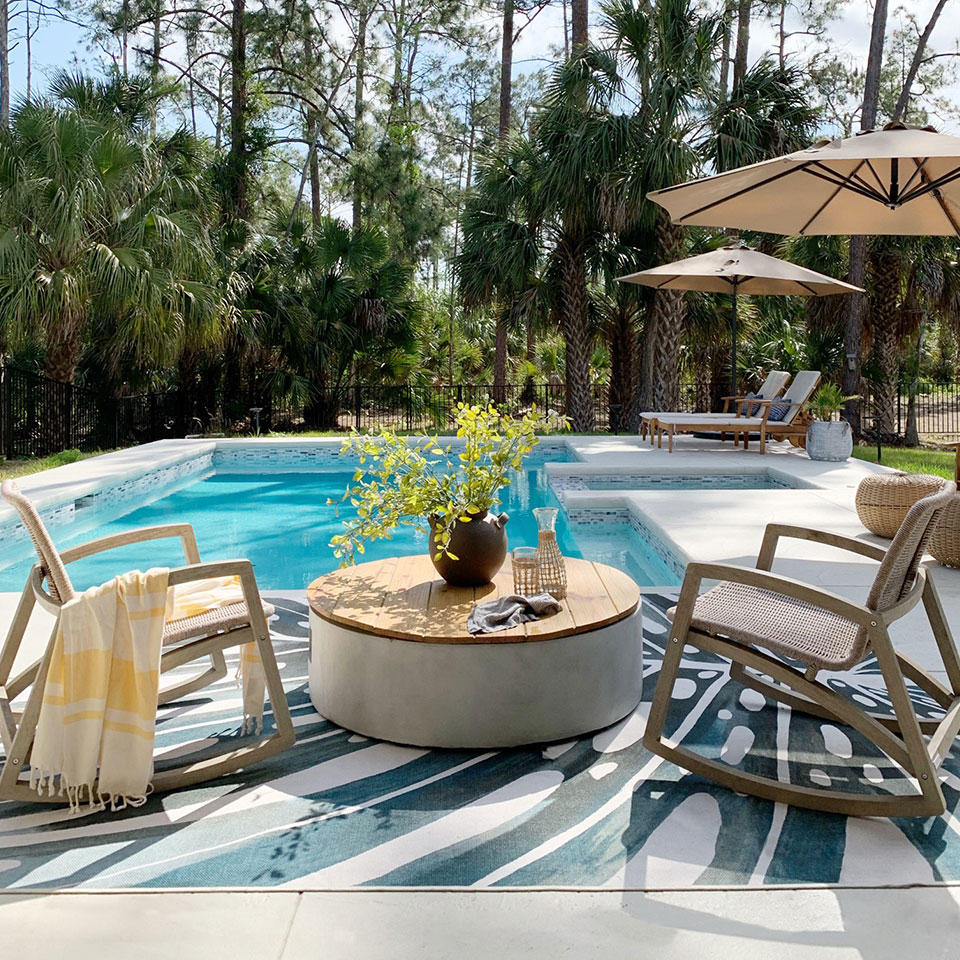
(163, 531)
(775, 531)
(208, 571)
(774, 582)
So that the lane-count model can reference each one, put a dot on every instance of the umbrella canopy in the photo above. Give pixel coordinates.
(739, 269)
(900, 180)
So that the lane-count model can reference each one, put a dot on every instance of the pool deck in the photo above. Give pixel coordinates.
(711, 525)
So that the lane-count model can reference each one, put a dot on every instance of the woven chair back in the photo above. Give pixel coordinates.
(898, 570)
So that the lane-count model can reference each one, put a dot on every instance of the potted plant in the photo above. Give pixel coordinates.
(827, 437)
(447, 491)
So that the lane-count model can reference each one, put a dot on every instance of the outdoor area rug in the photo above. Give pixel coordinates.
(340, 811)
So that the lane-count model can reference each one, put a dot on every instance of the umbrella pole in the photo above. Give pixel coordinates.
(733, 358)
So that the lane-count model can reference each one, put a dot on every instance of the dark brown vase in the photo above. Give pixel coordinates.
(480, 546)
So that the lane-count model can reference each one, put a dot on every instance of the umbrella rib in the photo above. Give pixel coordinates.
(670, 279)
(918, 171)
(933, 185)
(829, 200)
(735, 194)
(808, 288)
(876, 176)
(939, 198)
(846, 183)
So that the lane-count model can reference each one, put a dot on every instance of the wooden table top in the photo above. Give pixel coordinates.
(404, 597)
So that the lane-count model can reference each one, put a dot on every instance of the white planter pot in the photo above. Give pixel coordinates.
(829, 440)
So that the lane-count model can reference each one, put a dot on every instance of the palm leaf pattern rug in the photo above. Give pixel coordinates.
(340, 811)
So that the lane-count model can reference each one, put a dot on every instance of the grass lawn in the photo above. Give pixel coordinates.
(18, 468)
(911, 460)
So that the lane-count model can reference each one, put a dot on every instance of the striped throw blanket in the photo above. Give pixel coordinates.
(100, 700)
(98, 715)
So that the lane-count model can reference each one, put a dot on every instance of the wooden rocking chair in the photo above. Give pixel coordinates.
(203, 636)
(754, 609)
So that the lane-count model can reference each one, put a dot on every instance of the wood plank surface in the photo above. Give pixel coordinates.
(405, 598)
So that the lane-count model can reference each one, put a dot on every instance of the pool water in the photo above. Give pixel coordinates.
(283, 524)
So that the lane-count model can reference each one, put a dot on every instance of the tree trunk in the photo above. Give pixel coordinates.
(312, 124)
(575, 307)
(124, 35)
(5, 62)
(725, 51)
(579, 18)
(191, 45)
(669, 311)
(358, 108)
(853, 309)
(237, 159)
(316, 200)
(530, 355)
(624, 367)
(155, 64)
(501, 336)
(884, 304)
(743, 41)
(502, 331)
(396, 86)
(506, 69)
(904, 99)
(62, 353)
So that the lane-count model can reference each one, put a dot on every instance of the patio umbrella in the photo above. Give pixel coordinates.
(739, 269)
(899, 180)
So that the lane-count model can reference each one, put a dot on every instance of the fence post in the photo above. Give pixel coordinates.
(357, 403)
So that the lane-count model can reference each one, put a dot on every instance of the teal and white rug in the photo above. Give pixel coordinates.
(340, 811)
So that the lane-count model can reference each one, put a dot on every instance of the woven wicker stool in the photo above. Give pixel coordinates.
(944, 545)
(883, 499)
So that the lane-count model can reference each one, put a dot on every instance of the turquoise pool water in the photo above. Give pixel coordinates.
(283, 524)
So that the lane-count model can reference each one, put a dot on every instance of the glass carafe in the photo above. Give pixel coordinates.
(553, 571)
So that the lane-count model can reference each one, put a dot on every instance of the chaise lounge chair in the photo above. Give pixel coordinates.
(770, 389)
(204, 635)
(751, 612)
(778, 419)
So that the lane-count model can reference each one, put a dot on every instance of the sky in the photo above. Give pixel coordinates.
(59, 44)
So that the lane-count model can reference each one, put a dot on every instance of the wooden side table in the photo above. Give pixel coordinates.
(391, 657)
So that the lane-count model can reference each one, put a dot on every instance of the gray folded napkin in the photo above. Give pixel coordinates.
(506, 612)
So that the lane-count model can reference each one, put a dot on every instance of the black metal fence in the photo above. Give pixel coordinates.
(936, 409)
(416, 408)
(39, 416)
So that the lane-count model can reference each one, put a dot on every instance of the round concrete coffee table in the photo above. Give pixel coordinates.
(391, 658)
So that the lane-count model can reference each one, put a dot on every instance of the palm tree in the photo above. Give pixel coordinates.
(668, 51)
(500, 257)
(97, 221)
(329, 298)
(584, 156)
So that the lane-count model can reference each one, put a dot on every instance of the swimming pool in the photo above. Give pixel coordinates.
(282, 522)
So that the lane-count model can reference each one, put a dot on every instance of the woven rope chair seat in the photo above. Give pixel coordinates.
(795, 628)
(214, 620)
